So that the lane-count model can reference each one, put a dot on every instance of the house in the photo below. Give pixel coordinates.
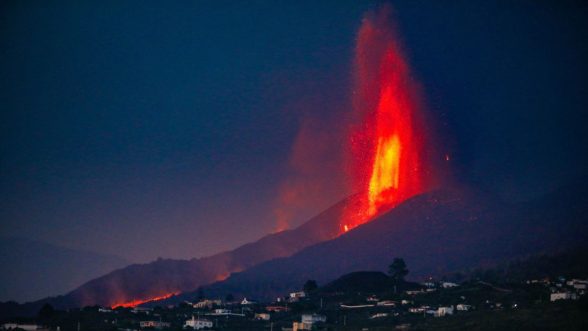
(448, 285)
(387, 303)
(417, 310)
(301, 326)
(300, 294)
(154, 324)
(379, 315)
(442, 311)
(295, 296)
(198, 324)
(415, 292)
(307, 321)
(262, 316)
(578, 284)
(463, 307)
(26, 327)
(207, 304)
(313, 318)
(221, 311)
(563, 296)
(247, 302)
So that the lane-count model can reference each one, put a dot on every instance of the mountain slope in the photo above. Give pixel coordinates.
(164, 276)
(36, 269)
(435, 233)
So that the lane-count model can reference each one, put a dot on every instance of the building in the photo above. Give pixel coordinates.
(379, 315)
(442, 311)
(301, 326)
(198, 324)
(448, 285)
(463, 307)
(387, 303)
(207, 304)
(154, 324)
(578, 284)
(277, 309)
(563, 296)
(26, 327)
(313, 318)
(418, 310)
(296, 296)
(262, 316)
(247, 302)
(221, 311)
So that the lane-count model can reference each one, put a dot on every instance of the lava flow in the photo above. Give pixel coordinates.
(388, 145)
(137, 302)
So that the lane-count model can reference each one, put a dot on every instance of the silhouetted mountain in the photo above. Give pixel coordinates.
(34, 270)
(145, 281)
(435, 233)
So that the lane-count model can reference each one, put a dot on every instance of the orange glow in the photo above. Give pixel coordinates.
(387, 147)
(385, 171)
(345, 228)
(137, 302)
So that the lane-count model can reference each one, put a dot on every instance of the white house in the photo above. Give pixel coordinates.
(154, 324)
(442, 311)
(221, 311)
(26, 327)
(448, 284)
(463, 307)
(300, 294)
(247, 302)
(563, 296)
(198, 324)
(207, 304)
(313, 318)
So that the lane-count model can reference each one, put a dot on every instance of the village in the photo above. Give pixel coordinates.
(350, 303)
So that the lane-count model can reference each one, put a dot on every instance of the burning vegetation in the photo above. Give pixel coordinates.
(137, 302)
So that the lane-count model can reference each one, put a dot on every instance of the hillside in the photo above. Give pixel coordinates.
(435, 233)
(165, 276)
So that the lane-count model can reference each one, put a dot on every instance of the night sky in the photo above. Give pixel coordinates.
(179, 128)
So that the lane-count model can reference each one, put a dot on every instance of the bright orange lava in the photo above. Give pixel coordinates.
(388, 145)
(134, 303)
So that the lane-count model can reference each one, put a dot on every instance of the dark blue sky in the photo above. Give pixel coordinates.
(150, 129)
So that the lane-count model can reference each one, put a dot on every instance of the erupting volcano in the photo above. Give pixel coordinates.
(387, 147)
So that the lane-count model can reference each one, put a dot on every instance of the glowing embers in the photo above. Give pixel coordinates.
(137, 302)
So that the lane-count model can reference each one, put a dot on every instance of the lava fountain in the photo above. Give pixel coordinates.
(387, 145)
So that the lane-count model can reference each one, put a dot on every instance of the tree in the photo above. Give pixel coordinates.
(310, 286)
(397, 270)
(200, 293)
(46, 313)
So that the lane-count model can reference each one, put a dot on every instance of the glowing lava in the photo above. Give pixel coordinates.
(388, 145)
(137, 302)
